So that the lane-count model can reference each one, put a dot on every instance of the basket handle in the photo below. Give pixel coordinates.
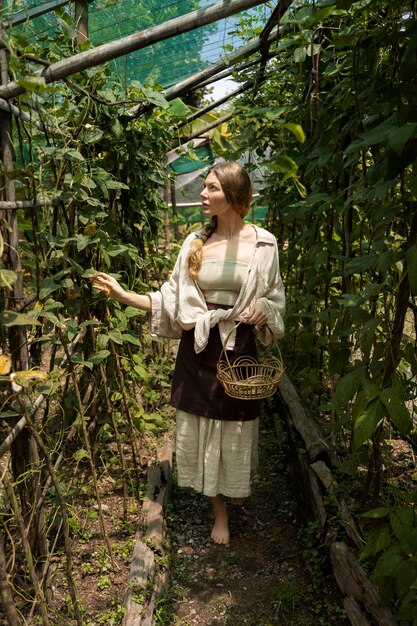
(224, 351)
(234, 329)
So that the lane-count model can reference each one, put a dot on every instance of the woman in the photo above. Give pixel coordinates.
(226, 272)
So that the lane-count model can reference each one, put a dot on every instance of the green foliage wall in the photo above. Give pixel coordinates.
(334, 125)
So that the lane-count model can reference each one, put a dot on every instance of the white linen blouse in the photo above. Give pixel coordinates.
(180, 305)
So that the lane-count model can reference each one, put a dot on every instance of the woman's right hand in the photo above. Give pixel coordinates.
(108, 285)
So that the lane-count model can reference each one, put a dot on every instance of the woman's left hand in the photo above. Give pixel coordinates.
(257, 315)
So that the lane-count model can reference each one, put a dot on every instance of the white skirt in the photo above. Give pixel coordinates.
(216, 456)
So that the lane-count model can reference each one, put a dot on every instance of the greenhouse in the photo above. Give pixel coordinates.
(255, 162)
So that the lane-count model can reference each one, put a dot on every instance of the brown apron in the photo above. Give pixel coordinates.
(195, 387)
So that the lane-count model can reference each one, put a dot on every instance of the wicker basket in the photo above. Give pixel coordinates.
(247, 379)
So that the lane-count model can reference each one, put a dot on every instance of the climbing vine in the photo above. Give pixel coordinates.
(335, 133)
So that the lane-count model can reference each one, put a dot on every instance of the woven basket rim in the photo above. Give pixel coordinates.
(249, 388)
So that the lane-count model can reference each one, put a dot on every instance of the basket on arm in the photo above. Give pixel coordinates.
(246, 378)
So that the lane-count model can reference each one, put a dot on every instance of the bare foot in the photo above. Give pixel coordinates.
(220, 532)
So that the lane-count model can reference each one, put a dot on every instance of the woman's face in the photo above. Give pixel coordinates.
(213, 199)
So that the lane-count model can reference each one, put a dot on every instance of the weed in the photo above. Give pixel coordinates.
(103, 582)
(289, 597)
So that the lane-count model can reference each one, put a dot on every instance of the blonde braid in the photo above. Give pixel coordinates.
(196, 248)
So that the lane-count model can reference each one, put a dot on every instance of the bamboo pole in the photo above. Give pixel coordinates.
(81, 20)
(6, 589)
(24, 204)
(114, 49)
(39, 595)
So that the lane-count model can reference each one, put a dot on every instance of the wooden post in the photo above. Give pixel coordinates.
(81, 20)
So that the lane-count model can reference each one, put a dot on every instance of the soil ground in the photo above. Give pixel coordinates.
(271, 573)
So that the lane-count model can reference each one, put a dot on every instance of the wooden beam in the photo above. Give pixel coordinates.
(31, 12)
(137, 41)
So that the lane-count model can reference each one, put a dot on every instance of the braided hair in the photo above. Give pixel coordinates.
(237, 188)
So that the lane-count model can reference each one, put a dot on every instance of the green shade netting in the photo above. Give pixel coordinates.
(194, 214)
(204, 158)
(164, 63)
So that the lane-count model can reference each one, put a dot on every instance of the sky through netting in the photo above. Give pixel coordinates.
(164, 63)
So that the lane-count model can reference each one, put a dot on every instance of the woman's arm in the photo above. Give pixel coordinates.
(109, 285)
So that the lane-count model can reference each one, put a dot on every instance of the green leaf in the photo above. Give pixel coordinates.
(389, 562)
(178, 108)
(300, 55)
(48, 287)
(319, 15)
(379, 133)
(74, 155)
(79, 455)
(53, 319)
(393, 400)
(155, 97)
(338, 358)
(116, 336)
(284, 164)
(410, 357)
(138, 422)
(378, 539)
(116, 249)
(115, 184)
(367, 422)
(360, 264)
(371, 390)
(11, 318)
(377, 513)
(90, 273)
(141, 371)
(131, 311)
(297, 131)
(32, 83)
(366, 335)
(91, 135)
(411, 255)
(398, 137)
(7, 278)
(403, 525)
(98, 357)
(131, 339)
(82, 242)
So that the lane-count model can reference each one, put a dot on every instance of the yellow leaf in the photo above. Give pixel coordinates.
(27, 377)
(5, 364)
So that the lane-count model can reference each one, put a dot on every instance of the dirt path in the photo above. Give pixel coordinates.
(261, 578)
